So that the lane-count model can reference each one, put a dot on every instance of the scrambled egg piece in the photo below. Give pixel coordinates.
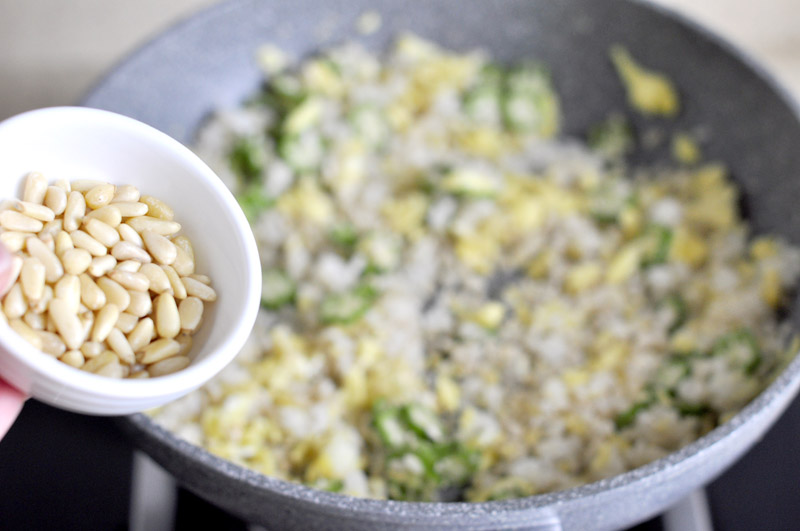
(448, 393)
(649, 92)
(624, 264)
(685, 149)
(406, 215)
(583, 277)
(307, 201)
(688, 247)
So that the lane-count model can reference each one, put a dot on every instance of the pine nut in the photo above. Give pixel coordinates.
(185, 340)
(141, 304)
(13, 220)
(129, 251)
(48, 237)
(159, 283)
(102, 265)
(124, 372)
(51, 229)
(163, 250)
(109, 214)
(51, 343)
(119, 344)
(83, 240)
(63, 184)
(92, 349)
(104, 322)
(35, 320)
(168, 366)
(130, 209)
(138, 375)
(129, 235)
(158, 350)
(27, 333)
(130, 280)
(67, 323)
(42, 304)
(131, 266)
(74, 211)
(92, 295)
(112, 370)
(168, 320)
(106, 357)
(84, 185)
(73, 358)
(157, 208)
(184, 243)
(126, 193)
(126, 322)
(159, 226)
(52, 265)
(63, 243)
(15, 304)
(201, 278)
(68, 289)
(13, 274)
(115, 294)
(199, 290)
(32, 276)
(76, 261)
(35, 211)
(86, 318)
(142, 334)
(13, 240)
(178, 289)
(101, 232)
(35, 188)
(191, 313)
(183, 264)
(99, 196)
(55, 198)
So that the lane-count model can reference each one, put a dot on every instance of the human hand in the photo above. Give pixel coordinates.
(11, 400)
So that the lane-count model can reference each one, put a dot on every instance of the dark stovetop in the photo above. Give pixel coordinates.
(66, 471)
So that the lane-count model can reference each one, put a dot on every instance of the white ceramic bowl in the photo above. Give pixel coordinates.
(74, 142)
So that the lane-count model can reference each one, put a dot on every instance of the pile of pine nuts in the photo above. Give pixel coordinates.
(101, 279)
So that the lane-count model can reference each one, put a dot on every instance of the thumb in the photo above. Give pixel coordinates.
(11, 402)
(9, 269)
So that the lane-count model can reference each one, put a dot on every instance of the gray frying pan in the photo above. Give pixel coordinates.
(207, 61)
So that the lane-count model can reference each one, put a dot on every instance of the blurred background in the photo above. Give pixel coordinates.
(54, 51)
(66, 471)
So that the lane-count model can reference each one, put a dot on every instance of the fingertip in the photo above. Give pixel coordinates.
(11, 402)
(6, 267)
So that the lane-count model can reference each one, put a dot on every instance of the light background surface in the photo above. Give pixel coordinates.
(53, 51)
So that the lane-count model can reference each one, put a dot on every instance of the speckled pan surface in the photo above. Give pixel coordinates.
(207, 61)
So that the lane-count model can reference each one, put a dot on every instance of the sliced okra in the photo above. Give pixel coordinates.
(741, 349)
(348, 306)
(656, 242)
(277, 289)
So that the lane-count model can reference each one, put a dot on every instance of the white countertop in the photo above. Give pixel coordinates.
(54, 50)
